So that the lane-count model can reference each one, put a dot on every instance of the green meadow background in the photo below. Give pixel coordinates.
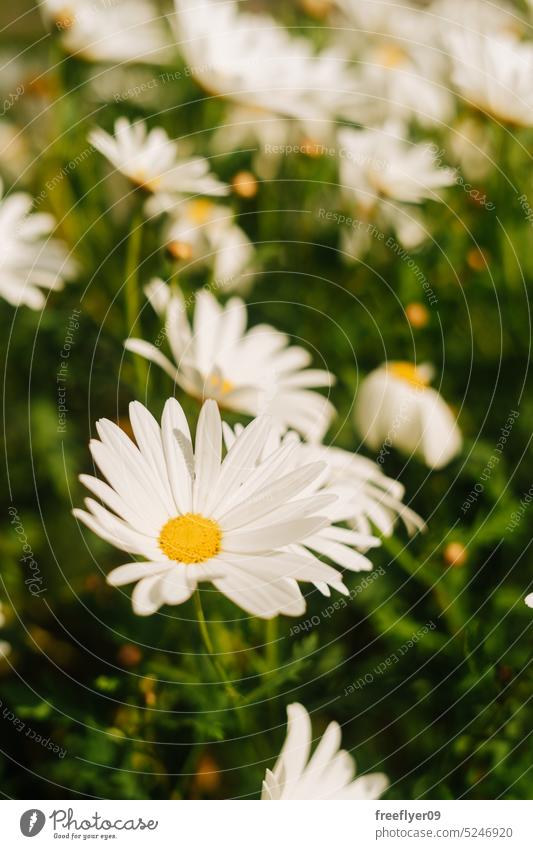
(427, 666)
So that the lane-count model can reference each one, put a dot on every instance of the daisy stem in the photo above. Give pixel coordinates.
(208, 643)
(132, 293)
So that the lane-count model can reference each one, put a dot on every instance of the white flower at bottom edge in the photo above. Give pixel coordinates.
(198, 517)
(149, 158)
(327, 774)
(29, 257)
(363, 497)
(396, 407)
(251, 371)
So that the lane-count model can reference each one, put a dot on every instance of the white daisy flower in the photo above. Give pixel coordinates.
(196, 516)
(395, 406)
(402, 68)
(383, 177)
(103, 31)
(326, 774)
(149, 158)
(248, 371)
(202, 233)
(253, 61)
(364, 499)
(477, 16)
(30, 259)
(493, 74)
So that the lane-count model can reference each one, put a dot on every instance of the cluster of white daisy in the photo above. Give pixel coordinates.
(264, 508)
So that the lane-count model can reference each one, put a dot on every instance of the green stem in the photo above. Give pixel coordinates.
(208, 643)
(133, 301)
(420, 574)
(271, 638)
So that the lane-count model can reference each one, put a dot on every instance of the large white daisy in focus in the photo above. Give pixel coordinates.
(196, 516)
(30, 259)
(384, 178)
(363, 499)
(493, 73)
(329, 773)
(249, 371)
(150, 159)
(396, 407)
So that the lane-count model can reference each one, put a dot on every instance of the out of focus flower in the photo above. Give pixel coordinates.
(493, 74)
(403, 73)
(244, 184)
(477, 16)
(529, 600)
(396, 407)
(205, 234)
(455, 554)
(30, 259)
(103, 31)
(249, 371)
(326, 774)
(382, 177)
(273, 77)
(149, 158)
(417, 314)
(196, 516)
(364, 499)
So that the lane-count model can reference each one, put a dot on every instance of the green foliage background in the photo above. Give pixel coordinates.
(135, 701)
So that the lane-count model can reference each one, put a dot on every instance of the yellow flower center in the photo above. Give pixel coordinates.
(190, 538)
(218, 384)
(181, 250)
(409, 373)
(390, 55)
(141, 179)
(200, 210)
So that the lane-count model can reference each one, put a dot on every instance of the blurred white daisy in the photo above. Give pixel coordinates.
(104, 31)
(274, 77)
(383, 179)
(326, 774)
(493, 74)
(364, 499)
(149, 158)
(529, 600)
(249, 371)
(403, 71)
(396, 407)
(30, 259)
(196, 516)
(477, 16)
(202, 233)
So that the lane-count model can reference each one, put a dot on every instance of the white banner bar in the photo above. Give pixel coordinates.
(260, 825)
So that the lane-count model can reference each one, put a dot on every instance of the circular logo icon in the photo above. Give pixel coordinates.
(32, 822)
